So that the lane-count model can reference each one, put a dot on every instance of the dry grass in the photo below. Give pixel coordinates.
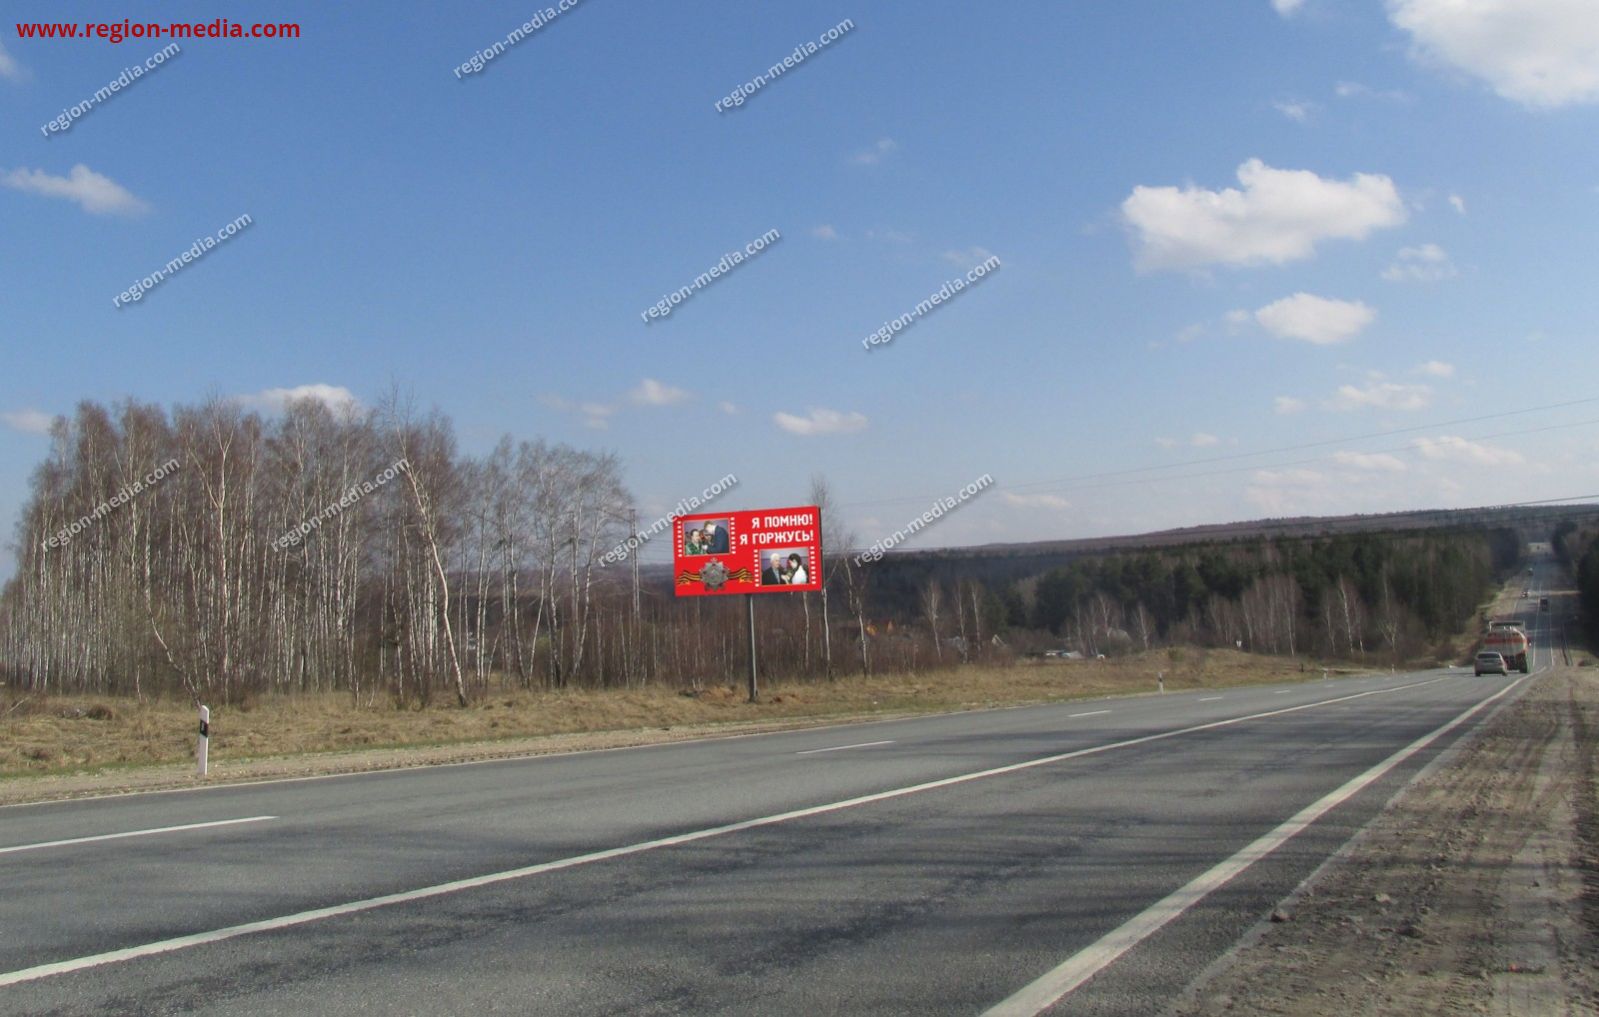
(67, 735)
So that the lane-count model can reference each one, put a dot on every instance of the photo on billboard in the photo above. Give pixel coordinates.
(755, 551)
(705, 536)
(787, 567)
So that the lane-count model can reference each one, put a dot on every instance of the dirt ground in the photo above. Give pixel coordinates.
(1475, 892)
(58, 747)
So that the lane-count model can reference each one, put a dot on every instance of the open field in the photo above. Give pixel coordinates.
(62, 746)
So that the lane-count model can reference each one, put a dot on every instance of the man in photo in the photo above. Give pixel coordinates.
(716, 538)
(772, 574)
(695, 542)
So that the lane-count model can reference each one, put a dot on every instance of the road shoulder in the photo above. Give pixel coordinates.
(1471, 893)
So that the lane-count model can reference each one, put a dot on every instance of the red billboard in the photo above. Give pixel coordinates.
(759, 551)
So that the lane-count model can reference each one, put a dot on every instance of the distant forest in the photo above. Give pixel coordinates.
(1348, 595)
(430, 572)
(1577, 546)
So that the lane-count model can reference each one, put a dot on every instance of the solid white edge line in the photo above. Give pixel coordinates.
(1055, 984)
(1211, 699)
(492, 878)
(841, 748)
(131, 833)
(1091, 713)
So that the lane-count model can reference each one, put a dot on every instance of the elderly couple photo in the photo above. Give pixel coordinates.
(785, 569)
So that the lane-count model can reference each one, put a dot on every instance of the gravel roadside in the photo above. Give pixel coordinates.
(1475, 892)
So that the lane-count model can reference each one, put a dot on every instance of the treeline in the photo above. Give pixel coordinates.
(1344, 596)
(219, 554)
(1577, 547)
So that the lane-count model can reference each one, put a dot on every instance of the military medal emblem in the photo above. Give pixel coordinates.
(714, 575)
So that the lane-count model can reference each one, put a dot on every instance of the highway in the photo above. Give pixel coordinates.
(1083, 858)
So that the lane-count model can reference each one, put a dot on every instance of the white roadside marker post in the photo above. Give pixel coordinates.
(203, 751)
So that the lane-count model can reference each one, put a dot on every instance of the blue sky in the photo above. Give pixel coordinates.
(1224, 229)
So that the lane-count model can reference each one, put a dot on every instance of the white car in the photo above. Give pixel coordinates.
(1488, 662)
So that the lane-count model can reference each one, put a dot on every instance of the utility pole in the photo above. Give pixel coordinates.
(632, 526)
(749, 602)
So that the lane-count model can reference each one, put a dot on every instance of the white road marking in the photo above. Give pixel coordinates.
(1212, 699)
(493, 878)
(841, 748)
(132, 833)
(1055, 984)
(1091, 713)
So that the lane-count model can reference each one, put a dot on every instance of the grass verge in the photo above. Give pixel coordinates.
(61, 746)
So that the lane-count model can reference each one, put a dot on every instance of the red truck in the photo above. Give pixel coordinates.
(1509, 640)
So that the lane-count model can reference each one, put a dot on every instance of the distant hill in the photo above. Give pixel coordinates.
(1535, 521)
(1002, 564)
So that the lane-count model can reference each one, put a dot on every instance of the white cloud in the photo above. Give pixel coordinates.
(1541, 53)
(1379, 462)
(1427, 263)
(821, 421)
(1294, 109)
(1454, 449)
(1164, 442)
(654, 393)
(1356, 90)
(728, 408)
(1045, 501)
(1202, 440)
(1306, 478)
(1382, 395)
(596, 416)
(969, 258)
(1286, 405)
(1436, 369)
(335, 397)
(1457, 203)
(876, 154)
(824, 232)
(1279, 216)
(9, 68)
(92, 191)
(888, 236)
(1314, 319)
(1188, 333)
(28, 421)
(1285, 492)
(1287, 7)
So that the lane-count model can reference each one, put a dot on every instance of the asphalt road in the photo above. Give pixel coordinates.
(938, 865)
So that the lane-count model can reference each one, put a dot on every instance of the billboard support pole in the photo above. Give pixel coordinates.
(749, 604)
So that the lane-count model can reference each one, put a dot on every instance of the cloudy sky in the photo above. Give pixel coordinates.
(1257, 257)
